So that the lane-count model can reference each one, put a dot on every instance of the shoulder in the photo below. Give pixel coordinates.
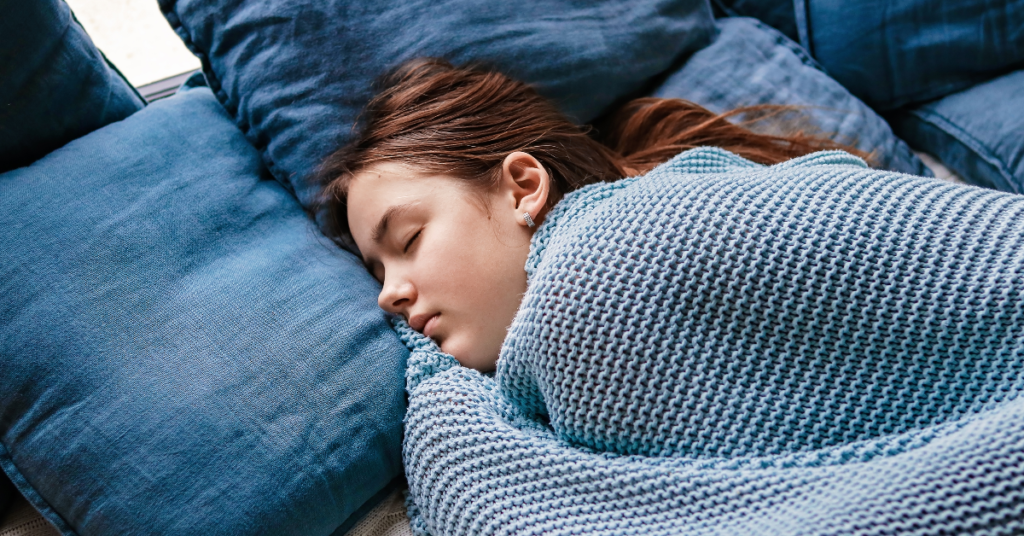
(695, 170)
(704, 160)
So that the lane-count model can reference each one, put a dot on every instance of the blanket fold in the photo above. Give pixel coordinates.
(722, 347)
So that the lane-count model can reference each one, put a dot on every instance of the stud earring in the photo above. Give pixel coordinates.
(528, 220)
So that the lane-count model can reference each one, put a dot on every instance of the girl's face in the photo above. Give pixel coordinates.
(450, 258)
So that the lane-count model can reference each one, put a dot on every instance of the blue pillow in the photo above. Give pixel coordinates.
(895, 53)
(294, 74)
(750, 63)
(978, 132)
(181, 352)
(54, 84)
(778, 14)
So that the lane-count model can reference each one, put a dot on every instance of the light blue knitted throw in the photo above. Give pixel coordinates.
(720, 347)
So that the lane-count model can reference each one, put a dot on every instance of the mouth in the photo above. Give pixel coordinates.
(424, 323)
(431, 325)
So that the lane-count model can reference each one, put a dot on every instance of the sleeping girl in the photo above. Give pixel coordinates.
(693, 327)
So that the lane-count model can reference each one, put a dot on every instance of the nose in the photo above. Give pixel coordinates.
(396, 295)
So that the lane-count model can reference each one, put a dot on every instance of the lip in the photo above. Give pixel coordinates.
(421, 321)
(429, 327)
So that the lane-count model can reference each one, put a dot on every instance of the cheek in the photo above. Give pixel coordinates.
(474, 273)
(450, 255)
(473, 264)
(488, 279)
(445, 264)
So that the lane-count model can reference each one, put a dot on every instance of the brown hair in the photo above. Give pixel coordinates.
(463, 122)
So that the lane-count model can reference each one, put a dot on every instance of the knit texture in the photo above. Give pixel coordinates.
(719, 347)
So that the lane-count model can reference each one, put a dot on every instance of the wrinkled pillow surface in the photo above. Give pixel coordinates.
(750, 63)
(181, 352)
(977, 132)
(55, 85)
(891, 54)
(294, 74)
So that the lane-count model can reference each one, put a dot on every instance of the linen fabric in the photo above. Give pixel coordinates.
(295, 74)
(895, 53)
(181, 351)
(749, 63)
(56, 85)
(892, 54)
(976, 132)
(719, 347)
(778, 14)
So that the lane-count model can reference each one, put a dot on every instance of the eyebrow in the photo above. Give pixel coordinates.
(382, 226)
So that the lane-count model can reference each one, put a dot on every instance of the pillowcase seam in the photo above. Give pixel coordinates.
(31, 494)
(943, 124)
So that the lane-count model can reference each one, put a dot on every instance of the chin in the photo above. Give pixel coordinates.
(470, 359)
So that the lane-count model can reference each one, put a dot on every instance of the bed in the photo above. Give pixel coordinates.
(182, 351)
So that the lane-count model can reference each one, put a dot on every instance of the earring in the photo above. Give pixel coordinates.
(528, 220)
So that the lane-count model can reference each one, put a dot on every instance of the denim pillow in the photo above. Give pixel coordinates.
(54, 84)
(895, 53)
(294, 74)
(750, 63)
(978, 132)
(778, 14)
(181, 352)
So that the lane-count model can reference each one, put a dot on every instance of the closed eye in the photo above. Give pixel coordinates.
(411, 240)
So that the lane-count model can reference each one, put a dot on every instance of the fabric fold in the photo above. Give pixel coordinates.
(723, 347)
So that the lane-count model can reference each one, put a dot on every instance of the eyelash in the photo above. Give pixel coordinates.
(411, 240)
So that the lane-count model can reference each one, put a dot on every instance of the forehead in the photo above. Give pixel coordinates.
(381, 178)
(383, 185)
(374, 190)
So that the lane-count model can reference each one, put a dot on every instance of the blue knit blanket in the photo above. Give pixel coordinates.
(719, 347)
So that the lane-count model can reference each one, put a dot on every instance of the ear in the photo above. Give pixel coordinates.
(527, 185)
